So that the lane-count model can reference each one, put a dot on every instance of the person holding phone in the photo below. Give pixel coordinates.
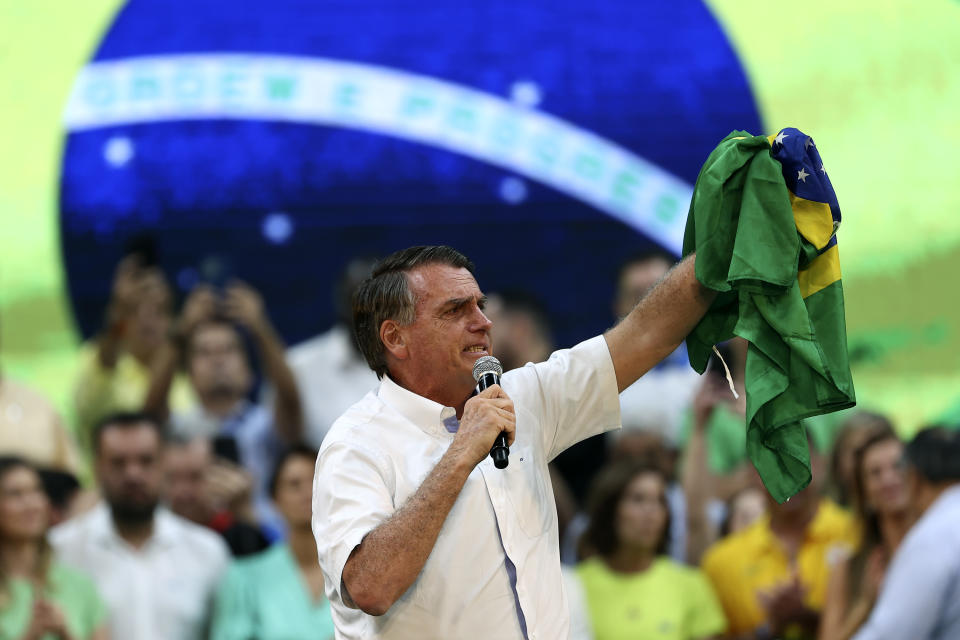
(116, 366)
(210, 343)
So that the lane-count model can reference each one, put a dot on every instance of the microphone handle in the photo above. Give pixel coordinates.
(500, 452)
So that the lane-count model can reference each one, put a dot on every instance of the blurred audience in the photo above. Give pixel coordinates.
(659, 399)
(648, 447)
(743, 509)
(222, 378)
(279, 594)
(156, 571)
(920, 596)
(521, 330)
(633, 590)
(849, 437)
(39, 597)
(883, 513)
(64, 495)
(213, 492)
(706, 490)
(330, 372)
(30, 427)
(772, 576)
(115, 367)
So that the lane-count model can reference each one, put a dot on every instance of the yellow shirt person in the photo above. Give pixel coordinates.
(668, 601)
(752, 562)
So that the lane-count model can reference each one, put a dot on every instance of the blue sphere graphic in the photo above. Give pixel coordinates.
(288, 203)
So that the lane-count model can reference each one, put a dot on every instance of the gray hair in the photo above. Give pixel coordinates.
(386, 295)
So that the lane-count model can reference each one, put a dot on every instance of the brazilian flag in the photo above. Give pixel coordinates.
(763, 222)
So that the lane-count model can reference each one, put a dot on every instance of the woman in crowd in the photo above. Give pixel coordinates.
(851, 435)
(278, 594)
(632, 588)
(881, 501)
(39, 598)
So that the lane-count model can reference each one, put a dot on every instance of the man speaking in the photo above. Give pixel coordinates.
(420, 536)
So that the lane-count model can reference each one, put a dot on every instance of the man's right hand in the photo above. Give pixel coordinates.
(485, 416)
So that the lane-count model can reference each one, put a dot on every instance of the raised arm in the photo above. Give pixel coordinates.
(200, 305)
(658, 324)
(388, 560)
(244, 306)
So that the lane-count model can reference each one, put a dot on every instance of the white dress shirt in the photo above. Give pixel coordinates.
(162, 591)
(920, 598)
(331, 376)
(499, 546)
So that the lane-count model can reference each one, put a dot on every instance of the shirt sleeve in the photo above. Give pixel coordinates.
(704, 615)
(912, 593)
(578, 394)
(351, 497)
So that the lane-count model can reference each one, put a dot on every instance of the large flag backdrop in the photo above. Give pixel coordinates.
(549, 141)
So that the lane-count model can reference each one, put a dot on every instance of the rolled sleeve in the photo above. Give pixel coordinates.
(351, 497)
(580, 395)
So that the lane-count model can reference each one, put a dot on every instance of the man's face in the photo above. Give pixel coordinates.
(129, 471)
(449, 333)
(636, 280)
(185, 490)
(217, 363)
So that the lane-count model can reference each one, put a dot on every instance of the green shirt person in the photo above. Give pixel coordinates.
(632, 589)
(278, 594)
(264, 596)
(39, 598)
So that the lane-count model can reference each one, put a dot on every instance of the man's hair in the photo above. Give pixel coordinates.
(288, 454)
(386, 295)
(935, 454)
(125, 420)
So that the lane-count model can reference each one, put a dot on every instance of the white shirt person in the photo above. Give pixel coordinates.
(161, 591)
(419, 536)
(156, 571)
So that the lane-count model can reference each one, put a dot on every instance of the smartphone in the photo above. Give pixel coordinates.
(226, 447)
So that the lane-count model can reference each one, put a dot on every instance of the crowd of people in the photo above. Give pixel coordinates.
(178, 503)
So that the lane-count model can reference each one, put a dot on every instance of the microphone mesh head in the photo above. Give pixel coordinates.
(486, 364)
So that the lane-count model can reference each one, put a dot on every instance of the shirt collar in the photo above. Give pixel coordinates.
(432, 417)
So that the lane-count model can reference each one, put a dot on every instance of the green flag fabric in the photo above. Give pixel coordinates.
(763, 223)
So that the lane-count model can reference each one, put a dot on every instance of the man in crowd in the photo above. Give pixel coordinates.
(156, 571)
(522, 329)
(658, 400)
(212, 492)
(331, 373)
(920, 597)
(771, 577)
(222, 378)
(419, 535)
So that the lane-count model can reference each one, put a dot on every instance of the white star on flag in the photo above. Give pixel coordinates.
(780, 137)
(822, 170)
(808, 143)
(802, 175)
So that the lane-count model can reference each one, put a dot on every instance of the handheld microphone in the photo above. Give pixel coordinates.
(487, 371)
